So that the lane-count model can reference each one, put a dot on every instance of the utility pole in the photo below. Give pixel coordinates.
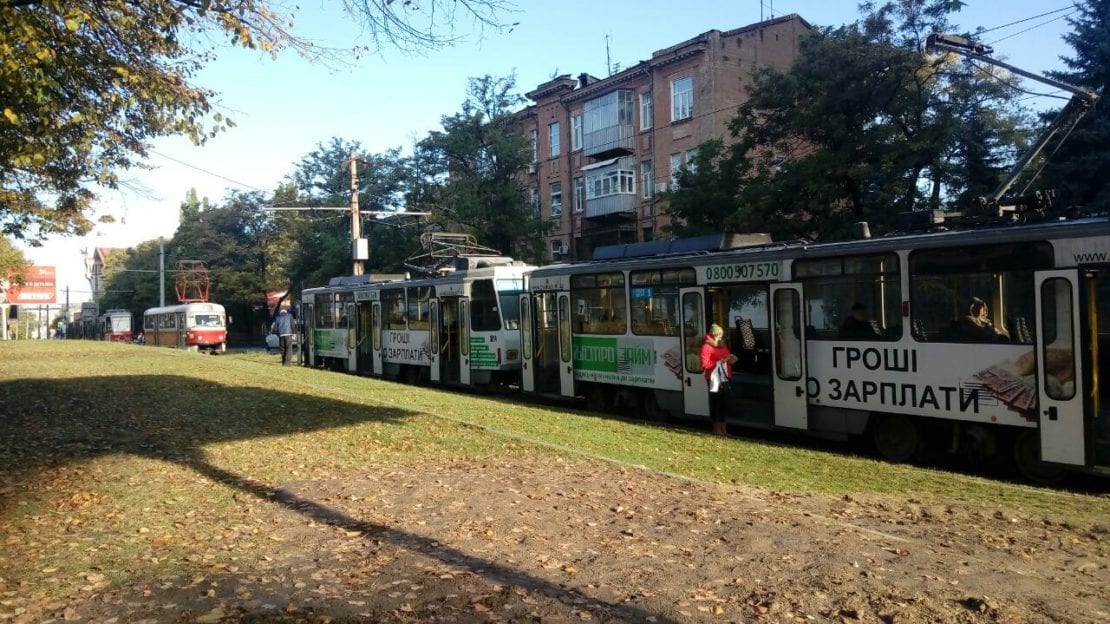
(161, 273)
(65, 315)
(356, 219)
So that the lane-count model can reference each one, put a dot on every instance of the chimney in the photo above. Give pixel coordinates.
(583, 79)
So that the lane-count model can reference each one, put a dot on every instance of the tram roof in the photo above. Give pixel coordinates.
(1048, 230)
(454, 277)
(200, 306)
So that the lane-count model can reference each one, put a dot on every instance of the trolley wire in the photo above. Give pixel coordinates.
(1027, 19)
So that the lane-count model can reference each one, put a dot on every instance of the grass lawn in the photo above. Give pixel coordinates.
(105, 448)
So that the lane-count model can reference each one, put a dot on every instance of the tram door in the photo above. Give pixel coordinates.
(464, 340)
(546, 369)
(695, 390)
(1096, 297)
(364, 362)
(450, 354)
(308, 320)
(788, 356)
(435, 339)
(376, 337)
(181, 329)
(527, 379)
(566, 354)
(1060, 388)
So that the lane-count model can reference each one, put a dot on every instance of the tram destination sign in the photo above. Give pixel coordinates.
(741, 272)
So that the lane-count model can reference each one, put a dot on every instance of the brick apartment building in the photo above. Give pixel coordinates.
(604, 149)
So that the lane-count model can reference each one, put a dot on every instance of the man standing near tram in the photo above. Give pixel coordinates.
(283, 327)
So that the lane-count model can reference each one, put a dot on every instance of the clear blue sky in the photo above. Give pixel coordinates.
(283, 108)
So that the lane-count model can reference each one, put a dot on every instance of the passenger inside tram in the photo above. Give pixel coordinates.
(977, 325)
(858, 325)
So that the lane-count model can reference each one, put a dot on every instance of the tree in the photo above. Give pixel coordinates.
(854, 131)
(13, 264)
(323, 239)
(1082, 166)
(86, 84)
(468, 171)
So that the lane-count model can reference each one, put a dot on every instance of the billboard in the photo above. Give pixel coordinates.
(39, 288)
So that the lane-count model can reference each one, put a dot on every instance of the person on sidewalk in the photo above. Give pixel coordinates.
(283, 327)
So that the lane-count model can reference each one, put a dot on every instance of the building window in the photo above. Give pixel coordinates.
(553, 138)
(535, 146)
(557, 249)
(579, 194)
(647, 179)
(556, 199)
(612, 182)
(682, 98)
(576, 132)
(691, 166)
(676, 167)
(646, 110)
(534, 199)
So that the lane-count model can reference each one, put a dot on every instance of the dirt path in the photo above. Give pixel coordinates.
(559, 540)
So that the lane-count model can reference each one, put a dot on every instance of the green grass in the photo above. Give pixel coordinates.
(121, 439)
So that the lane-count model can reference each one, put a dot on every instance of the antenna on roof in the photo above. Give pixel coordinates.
(608, 62)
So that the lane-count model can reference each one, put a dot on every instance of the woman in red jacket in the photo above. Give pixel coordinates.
(714, 350)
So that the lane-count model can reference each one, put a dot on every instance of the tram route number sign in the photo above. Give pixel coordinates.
(743, 272)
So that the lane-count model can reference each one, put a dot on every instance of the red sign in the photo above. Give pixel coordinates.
(39, 288)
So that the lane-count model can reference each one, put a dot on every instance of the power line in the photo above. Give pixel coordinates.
(1033, 28)
(1021, 21)
(222, 177)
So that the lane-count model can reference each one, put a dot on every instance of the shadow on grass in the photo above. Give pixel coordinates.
(170, 418)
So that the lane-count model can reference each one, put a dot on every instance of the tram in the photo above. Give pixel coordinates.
(461, 328)
(192, 326)
(115, 326)
(626, 331)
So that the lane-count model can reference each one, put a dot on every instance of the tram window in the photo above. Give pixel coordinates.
(1059, 339)
(564, 328)
(483, 307)
(654, 297)
(343, 311)
(419, 297)
(324, 315)
(788, 354)
(207, 320)
(508, 293)
(526, 330)
(852, 297)
(945, 282)
(599, 303)
(393, 304)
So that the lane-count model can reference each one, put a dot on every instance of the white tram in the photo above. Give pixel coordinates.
(461, 328)
(626, 331)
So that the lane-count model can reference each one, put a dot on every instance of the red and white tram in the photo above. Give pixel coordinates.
(192, 326)
(115, 326)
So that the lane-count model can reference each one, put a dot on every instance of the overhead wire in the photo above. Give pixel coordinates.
(1027, 19)
(1034, 27)
(211, 173)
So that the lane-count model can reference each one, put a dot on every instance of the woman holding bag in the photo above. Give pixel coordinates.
(716, 363)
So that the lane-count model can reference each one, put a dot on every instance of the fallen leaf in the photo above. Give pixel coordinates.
(213, 616)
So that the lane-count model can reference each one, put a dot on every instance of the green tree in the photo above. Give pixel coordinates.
(131, 279)
(322, 178)
(1081, 168)
(468, 171)
(855, 130)
(12, 262)
(86, 84)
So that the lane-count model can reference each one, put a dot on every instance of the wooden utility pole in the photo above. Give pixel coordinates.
(356, 218)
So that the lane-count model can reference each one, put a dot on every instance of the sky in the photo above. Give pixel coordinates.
(283, 108)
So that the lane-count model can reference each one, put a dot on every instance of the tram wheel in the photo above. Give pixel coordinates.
(651, 409)
(1027, 459)
(896, 437)
(597, 399)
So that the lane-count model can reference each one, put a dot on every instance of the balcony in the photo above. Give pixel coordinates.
(609, 141)
(608, 125)
(621, 204)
